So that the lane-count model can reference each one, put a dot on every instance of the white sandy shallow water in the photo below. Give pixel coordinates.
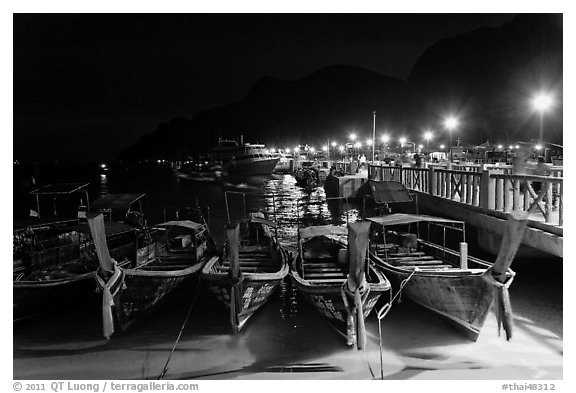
(289, 340)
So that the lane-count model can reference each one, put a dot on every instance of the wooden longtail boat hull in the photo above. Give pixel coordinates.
(138, 292)
(33, 298)
(247, 275)
(327, 299)
(255, 293)
(462, 299)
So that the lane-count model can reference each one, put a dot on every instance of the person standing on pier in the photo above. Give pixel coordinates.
(417, 160)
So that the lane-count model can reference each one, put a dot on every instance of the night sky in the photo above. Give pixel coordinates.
(87, 86)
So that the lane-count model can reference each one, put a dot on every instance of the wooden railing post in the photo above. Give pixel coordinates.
(516, 195)
(548, 186)
(560, 205)
(432, 183)
(499, 193)
(487, 191)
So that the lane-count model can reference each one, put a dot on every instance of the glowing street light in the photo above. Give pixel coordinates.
(542, 102)
(500, 147)
(312, 149)
(427, 137)
(451, 123)
(538, 147)
(325, 148)
(442, 147)
(352, 137)
(287, 150)
(384, 138)
(373, 135)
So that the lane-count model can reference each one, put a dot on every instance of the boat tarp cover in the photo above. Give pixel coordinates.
(111, 228)
(264, 221)
(401, 218)
(182, 224)
(116, 201)
(323, 230)
(389, 192)
(60, 188)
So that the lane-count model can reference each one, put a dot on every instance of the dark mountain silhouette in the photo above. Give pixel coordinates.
(486, 77)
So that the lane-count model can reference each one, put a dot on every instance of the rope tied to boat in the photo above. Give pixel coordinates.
(356, 330)
(108, 297)
(236, 300)
(385, 310)
(402, 285)
(504, 314)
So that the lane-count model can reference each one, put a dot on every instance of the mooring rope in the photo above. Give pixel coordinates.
(179, 334)
(355, 315)
(503, 307)
(384, 311)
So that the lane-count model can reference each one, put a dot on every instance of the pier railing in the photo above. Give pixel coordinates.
(495, 188)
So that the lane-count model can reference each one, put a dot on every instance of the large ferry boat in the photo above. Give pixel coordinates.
(245, 159)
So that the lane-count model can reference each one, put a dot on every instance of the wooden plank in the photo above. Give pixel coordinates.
(431, 262)
(429, 268)
(324, 264)
(400, 259)
(312, 271)
(326, 275)
(406, 254)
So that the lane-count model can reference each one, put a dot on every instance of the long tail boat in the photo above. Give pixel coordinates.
(333, 272)
(128, 293)
(54, 257)
(412, 251)
(250, 270)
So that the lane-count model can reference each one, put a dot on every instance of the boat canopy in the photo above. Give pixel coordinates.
(389, 192)
(261, 220)
(116, 201)
(401, 218)
(330, 231)
(182, 224)
(60, 188)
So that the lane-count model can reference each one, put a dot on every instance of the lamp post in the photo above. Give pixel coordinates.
(373, 136)
(542, 102)
(427, 137)
(385, 138)
(450, 123)
(334, 144)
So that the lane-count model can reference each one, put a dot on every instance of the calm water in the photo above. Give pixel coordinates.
(287, 338)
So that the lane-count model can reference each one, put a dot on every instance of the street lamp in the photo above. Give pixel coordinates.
(542, 102)
(451, 123)
(402, 141)
(427, 137)
(373, 136)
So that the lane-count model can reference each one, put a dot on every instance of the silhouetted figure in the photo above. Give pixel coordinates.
(418, 160)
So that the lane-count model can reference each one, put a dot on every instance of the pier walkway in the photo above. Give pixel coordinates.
(483, 195)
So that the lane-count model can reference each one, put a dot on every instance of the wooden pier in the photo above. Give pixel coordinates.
(483, 196)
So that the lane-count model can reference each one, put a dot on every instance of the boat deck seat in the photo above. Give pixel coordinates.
(317, 254)
(250, 269)
(163, 267)
(319, 276)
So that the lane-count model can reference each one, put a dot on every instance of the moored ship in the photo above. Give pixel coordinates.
(245, 159)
